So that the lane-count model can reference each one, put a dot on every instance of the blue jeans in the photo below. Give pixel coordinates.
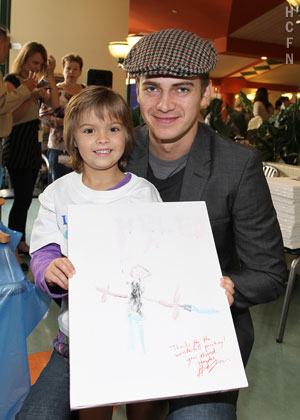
(218, 406)
(48, 398)
(211, 411)
(57, 169)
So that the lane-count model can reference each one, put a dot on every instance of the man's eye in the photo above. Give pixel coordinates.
(151, 89)
(182, 89)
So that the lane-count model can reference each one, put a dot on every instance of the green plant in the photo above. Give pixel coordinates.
(280, 136)
(235, 123)
(245, 102)
(136, 116)
(277, 138)
(214, 118)
(287, 121)
(239, 121)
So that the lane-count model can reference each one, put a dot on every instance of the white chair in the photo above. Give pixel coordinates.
(270, 171)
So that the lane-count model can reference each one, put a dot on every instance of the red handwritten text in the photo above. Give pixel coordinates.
(203, 354)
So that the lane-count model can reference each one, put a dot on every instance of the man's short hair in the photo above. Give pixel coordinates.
(171, 52)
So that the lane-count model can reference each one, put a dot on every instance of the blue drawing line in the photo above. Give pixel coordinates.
(192, 308)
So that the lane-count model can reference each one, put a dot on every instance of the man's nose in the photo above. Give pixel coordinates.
(166, 102)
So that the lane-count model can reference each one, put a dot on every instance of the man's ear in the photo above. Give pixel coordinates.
(206, 96)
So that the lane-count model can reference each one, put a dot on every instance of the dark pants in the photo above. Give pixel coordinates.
(48, 398)
(23, 182)
(57, 169)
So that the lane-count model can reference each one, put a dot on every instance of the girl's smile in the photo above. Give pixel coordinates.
(101, 144)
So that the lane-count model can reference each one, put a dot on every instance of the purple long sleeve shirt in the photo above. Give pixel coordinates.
(39, 264)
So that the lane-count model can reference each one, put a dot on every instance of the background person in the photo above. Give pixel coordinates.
(72, 67)
(282, 103)
(10, 101)
(262, 107)
(188, 161)
(22, 149)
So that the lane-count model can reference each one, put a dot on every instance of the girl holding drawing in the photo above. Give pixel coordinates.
(99, 137)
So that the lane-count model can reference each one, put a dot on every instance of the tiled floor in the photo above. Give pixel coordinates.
(273, 371)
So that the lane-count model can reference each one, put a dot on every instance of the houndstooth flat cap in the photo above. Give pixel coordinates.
(171, 52)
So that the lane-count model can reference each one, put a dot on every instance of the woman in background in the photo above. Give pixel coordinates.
(72, 68)
(262, 107)
(22, 149)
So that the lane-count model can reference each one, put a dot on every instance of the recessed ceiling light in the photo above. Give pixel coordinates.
(263, 58)
(174, 11)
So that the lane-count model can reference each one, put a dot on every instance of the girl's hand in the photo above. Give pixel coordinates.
(51, 65)
(59, 271)
(228, 285)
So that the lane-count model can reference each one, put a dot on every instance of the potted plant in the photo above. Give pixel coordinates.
(287, 123)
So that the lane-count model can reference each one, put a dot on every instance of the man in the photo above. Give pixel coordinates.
(11, 101)
(188, 161)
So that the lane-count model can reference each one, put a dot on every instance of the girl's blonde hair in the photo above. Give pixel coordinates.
(104, 102)
(27, 51)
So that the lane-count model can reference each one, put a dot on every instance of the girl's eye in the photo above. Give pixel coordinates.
(88, 130)
(114, 129)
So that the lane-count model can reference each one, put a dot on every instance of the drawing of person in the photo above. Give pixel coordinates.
(138, 274)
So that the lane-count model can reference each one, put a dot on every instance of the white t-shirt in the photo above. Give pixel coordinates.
(51, 224)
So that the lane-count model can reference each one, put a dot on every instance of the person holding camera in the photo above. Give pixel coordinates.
(22, 148)
(71, 67)
(10, 101)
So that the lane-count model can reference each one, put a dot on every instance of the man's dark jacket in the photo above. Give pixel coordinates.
(229, 178)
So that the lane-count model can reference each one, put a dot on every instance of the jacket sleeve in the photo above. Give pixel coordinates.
(12, 100)
(262, 270)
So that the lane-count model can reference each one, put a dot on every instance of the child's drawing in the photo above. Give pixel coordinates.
(147, 290)
(136, 295)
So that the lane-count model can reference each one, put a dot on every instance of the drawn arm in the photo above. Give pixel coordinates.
(106, 291)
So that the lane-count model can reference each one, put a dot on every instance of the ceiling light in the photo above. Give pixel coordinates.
(132, 39)
(251, 96)
(295, 4)
(263, 58)
(119, 50)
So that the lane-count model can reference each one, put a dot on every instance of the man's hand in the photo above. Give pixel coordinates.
(228, 285)
(59, 271)
(31, 81)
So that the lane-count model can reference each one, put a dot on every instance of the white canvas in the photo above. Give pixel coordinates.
(148, 318)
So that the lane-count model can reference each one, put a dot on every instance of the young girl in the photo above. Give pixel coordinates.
(99, 137)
